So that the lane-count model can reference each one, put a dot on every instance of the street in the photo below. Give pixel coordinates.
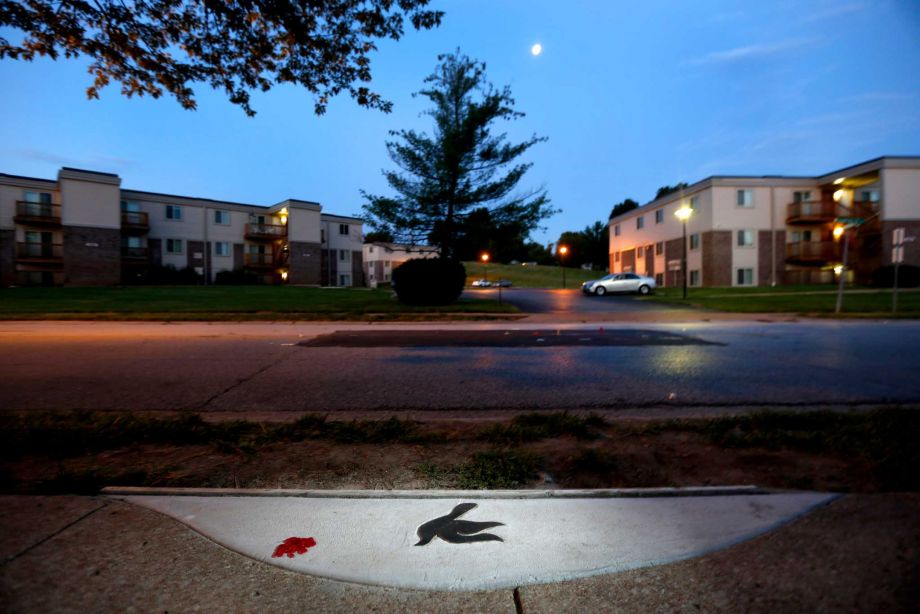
(292, 368)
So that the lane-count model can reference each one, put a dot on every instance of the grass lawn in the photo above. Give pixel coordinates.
(536, 276)
(819, 300)
(221, 303)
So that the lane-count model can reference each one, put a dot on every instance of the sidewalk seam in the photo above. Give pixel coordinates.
(102, 504)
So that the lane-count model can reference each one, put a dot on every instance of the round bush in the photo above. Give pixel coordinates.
(908, 276)
(431, 281)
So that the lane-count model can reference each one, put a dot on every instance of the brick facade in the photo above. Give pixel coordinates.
(7, 254)
(717, 258)
(357, 269)
(92, 256)
(305, 263)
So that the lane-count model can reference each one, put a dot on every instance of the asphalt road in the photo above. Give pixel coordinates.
(261, 367)
(535, 300)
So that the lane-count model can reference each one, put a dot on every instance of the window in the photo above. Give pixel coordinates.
(869, 196)
(344, 280)
(173, 212)
(344, 255)
(745, 238)
(659, 248)
(343, 229)
(43, 198)
(130, 206)
(801, 197)
(221, 248)
(659, 279)
(616, 230)
(695, 241)
(222, 217)
(745, 277)
(640, 222)
(659, 216)
(695, 203)
(386, 264)
(745, 198)
(173, 246)
(616, 256)
(695, 277)
(639, 252)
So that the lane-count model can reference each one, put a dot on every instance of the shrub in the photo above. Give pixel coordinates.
(908, 276)
(435, 281)
(236, 277)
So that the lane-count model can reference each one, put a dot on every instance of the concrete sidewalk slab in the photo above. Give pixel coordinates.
(475, 543)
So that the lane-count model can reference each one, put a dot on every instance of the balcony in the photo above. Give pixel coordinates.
(135, 254)
(813, 252)
(37, 214)
(811, 212)
(135, 221)
(259, 261)
(265, 232)
(40, 253)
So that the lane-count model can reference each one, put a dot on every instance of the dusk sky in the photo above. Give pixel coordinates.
(632, 95)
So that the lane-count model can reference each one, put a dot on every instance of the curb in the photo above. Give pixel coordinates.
(608, 493)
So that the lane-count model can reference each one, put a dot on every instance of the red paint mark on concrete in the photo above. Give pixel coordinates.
(292, 546)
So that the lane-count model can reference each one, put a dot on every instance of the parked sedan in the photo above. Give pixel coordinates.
(502, 283)
(482, 283)
(619, 282)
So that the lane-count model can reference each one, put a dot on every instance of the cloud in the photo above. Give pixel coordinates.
(837, 11)
(91, 161)
(749, 52)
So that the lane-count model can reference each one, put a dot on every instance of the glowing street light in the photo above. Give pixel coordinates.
(563, 250)
(485, 265)
(683, 214)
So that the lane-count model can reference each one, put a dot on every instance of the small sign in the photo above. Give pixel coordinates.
(92, 245)
(673, 265)
(897, 254)
(898, 236)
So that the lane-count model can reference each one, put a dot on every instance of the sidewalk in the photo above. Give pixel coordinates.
(858, 553)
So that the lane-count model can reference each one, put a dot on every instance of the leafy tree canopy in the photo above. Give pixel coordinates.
(238, 46)
(379, 236)
(461, 168)
(669, 189)
(623, 207)
(589, 246)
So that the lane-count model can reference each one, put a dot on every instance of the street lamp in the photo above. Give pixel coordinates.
(485, 265)
(563, 250)
(683, 214)
(840, 233)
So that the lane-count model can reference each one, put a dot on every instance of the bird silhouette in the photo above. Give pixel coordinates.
(456, 531)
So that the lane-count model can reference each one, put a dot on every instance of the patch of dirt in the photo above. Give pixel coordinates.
(620, 455)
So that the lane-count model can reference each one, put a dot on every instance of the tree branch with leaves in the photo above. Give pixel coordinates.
(154, 47)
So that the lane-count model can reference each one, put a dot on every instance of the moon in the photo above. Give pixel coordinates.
(537, 49)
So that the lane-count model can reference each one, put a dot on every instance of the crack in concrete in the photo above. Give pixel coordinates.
(10, 559)
(238, 383)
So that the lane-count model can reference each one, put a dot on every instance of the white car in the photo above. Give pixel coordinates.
(619, 282)
(482, 283)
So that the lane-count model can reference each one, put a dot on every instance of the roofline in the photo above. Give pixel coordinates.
(83, 170)
(341, 217)
(53, 181)
(709, 181)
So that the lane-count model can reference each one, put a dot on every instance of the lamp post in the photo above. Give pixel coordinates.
(683, 214)
(485, 265)
(563, 250)
(840, 233)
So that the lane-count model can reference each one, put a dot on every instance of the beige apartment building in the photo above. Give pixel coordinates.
(380, 259)
(84, 229)
(757, 231)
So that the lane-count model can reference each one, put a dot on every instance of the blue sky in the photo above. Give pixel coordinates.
(632, 96)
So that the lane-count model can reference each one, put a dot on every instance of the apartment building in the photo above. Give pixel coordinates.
(84, 229)
(380, 259)
(756, 231)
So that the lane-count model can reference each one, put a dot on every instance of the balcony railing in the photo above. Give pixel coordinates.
(811, 212)
(813, 251)
(50, 252)
(259, 261)
(265, 232)
(135, 253)
(42, 214)
(135, 220)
